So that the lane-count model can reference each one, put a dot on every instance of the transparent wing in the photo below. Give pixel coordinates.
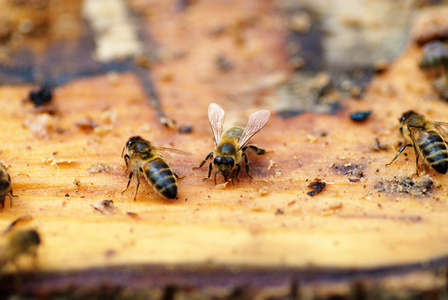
(21, 220)
(167, 152)
(442, 128)
(256, 122)
(216, 119)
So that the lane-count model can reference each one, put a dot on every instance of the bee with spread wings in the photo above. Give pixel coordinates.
(231, 145)
(427, 139)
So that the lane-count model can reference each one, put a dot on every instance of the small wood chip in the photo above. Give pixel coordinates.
(105, 207)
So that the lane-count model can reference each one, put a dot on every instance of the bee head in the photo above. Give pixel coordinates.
(24, 240)
(407, 115)
(405, 118)
(225, 164)
(33, 237)
(410, 118)
(4, 185)
(137, 144)
(132, 141)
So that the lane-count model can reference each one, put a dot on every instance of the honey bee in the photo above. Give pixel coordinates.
(435, 56)
(18, 243)
(142, 156)
(231, 145)
(5, 186)
(426, 138)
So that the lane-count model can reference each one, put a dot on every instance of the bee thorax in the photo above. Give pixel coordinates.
(226, 149)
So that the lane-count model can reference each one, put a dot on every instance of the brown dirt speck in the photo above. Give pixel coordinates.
(349, 169)
(413, 186)
(317, 185)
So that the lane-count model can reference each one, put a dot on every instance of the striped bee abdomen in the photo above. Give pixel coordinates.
(161, 178)
(433, 149)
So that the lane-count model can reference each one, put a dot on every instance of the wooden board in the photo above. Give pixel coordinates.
(262, 227)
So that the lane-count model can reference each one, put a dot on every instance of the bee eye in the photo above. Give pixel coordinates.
(224, 160)
(4, 184)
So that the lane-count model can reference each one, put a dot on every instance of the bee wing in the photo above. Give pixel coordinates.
(216, 118)
(166, 151)
(442, 127)
(256, 121)
(22, 220)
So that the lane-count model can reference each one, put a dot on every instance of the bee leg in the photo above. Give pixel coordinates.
(415, 148)
(416, 161)
(210, 172)
(178, 176)
(10, 202)
(398, 154)
(225, 178)
(138, 184)
(246, 160)
(255, 149)
(129, 181)
(203, 162)
(10, 197)
(237, 172)
(126, 160)
(34, 259)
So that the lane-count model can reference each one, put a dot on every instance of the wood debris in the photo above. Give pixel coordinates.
(263, 191)
(98, 168)
(41, 125)
(105, 207)
(132, 215)
(53, 161)
(221, 185)
(422, 186)
(86, 124)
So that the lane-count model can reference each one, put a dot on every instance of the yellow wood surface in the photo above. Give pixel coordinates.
(347, 225)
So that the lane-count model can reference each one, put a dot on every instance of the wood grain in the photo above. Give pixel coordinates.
(268, 222)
